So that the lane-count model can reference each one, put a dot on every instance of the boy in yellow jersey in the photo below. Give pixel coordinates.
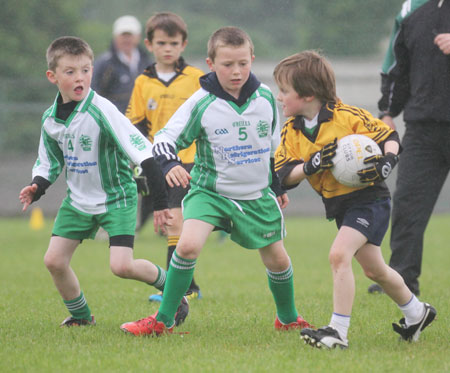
(157, 94)
(308, 144)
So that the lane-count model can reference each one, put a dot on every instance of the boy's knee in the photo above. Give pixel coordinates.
(337, 258)
(54, 263)
(122, 270)
(375, 276)
(282, 261)
(187, 250)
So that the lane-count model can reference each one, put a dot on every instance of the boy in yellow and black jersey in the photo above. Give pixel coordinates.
(308, 145)
(154, 100)
(334, 120)
(157, 94)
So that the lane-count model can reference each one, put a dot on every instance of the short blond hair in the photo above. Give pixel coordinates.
(309, 73)
(171, 23)
(67, 45)
(228, 36)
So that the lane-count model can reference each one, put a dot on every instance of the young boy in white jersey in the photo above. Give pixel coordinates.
(158, 92)
(308, 144)
(234, 121)
(87, 134)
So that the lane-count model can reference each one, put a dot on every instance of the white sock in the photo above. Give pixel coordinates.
(341, 323)
(413, 311)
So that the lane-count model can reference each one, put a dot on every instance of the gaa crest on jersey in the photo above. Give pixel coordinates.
(152, 104)
(137, 141)
(262, 128)
(85, 142)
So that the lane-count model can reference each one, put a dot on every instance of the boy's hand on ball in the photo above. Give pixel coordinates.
(381, 168)
(322, 159)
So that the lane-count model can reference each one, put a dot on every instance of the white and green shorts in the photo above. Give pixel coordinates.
(252, 224)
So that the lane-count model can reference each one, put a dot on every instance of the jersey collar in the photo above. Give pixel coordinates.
(181, 64)
(82, 106)
(325, 115)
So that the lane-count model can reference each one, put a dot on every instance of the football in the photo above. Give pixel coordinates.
(350, 154)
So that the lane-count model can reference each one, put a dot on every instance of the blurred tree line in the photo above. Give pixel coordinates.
(278, 27)
(351, 28)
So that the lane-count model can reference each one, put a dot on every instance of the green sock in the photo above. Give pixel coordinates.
(282, 286)
(161, 279)
(179, 277)
(79, 308)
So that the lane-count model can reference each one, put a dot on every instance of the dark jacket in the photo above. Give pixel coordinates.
(114, 80)
(416, 74)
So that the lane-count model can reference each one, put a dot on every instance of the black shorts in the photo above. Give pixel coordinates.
(177, 193)
(371, 219)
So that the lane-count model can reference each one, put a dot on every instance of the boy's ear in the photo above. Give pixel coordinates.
(148, 45)
(51, 76)
(210, 63)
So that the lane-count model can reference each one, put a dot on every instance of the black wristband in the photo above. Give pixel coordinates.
(42, 185)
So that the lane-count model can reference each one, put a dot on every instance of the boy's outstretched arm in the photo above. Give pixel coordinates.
(33, 192)
(170, 163)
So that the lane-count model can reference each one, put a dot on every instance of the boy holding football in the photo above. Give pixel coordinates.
(317, 120)
(157, 94)
(234, 120)
(88, 136)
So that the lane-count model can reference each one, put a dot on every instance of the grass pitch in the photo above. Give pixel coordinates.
(230, 329)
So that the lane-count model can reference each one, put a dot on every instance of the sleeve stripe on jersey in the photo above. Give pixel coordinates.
(281, 162)
(381, 136)
(163, 149)
(52, 150)
(358, 113)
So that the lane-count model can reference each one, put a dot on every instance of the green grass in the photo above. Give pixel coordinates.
(230, 329)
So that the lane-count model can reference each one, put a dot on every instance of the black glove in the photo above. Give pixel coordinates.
(381, 168)
(321, 160)
(141, 181)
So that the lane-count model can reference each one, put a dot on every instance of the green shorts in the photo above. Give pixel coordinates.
(253, 224)
(76, 225)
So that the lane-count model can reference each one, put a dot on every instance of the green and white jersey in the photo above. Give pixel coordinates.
(94, 145)
(234, 143)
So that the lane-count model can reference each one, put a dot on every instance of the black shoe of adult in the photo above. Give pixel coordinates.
(375, 289)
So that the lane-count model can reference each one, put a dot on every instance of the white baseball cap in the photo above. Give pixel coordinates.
(128, 24)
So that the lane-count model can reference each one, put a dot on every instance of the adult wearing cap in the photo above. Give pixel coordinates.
(116, 69)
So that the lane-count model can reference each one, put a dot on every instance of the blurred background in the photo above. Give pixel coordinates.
(353, 34)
